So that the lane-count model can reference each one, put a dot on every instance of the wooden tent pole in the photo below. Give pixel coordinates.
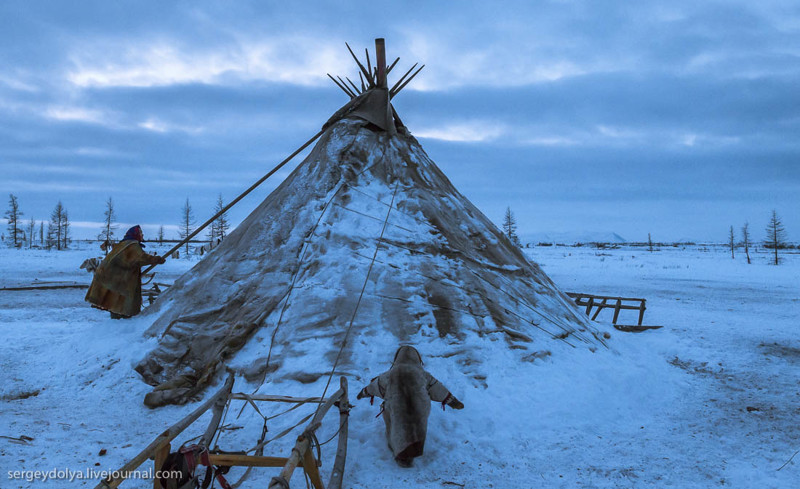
(393, 93)
(361, 77)
(352, 94)
(380, 55)
(389, 69)
(367, 74)
(338, 85)
(337, 473)
(369, 65)
(400, 80)
(380, 68)
(353, 84)
(237, 199)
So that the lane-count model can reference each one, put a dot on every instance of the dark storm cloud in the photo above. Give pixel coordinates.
(580, 115)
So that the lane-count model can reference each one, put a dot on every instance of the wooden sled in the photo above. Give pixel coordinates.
(302, 454)
(600, 302)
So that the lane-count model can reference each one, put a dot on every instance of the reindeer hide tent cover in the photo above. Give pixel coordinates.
(367, 209)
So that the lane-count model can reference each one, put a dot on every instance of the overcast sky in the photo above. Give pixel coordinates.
(675, 118)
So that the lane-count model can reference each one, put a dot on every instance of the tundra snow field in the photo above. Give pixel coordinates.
(710, 400)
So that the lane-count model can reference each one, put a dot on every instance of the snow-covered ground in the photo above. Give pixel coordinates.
(665, 408)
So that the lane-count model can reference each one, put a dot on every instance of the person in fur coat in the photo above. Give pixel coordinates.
(117, 283)
(407, 390)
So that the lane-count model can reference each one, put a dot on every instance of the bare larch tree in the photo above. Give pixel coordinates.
(732, 242)
(220, 226)
(776, 234)
(510, 226)
(187, 223)
(109, 226)
(58, 228)
(746, 241)
(649, 243)
(161, 234)
(12, 215)
(31, 232)
(65, 237)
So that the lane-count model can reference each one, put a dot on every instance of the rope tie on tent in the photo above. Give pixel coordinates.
(544, 316)
(303, 255)
(258, 448)
(361, 295)
(555, 322)
(564, 327)
(296, 274)
(306, 245)
(560, 324)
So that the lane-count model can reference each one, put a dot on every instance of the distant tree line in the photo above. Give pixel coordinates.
(217, 230)
(775, 238)
(24, 234)
(58, 229)
(58, 234)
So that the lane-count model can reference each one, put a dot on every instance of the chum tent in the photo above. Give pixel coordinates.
(365, 245)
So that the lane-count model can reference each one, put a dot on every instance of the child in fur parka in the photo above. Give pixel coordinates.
(407, 390)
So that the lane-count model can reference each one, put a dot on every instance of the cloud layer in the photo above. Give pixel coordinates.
(678, 119)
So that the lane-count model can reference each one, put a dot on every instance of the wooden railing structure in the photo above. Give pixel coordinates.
(302, 454)
(601, 302)
(152, 293)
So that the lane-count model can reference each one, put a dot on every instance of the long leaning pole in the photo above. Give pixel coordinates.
(237, 199)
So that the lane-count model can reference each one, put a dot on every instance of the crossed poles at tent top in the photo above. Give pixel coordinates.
(373, 77)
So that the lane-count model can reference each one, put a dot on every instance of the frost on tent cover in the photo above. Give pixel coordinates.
(366, 210)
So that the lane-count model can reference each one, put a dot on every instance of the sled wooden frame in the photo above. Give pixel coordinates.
(153, 292)
(301, 455)
(609, 302)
